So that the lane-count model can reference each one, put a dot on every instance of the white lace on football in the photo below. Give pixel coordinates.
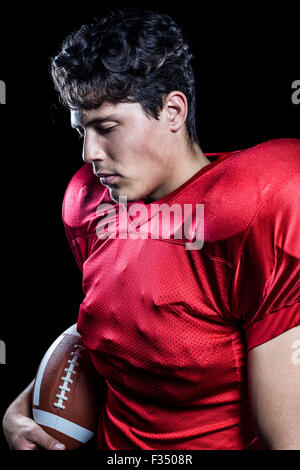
(67, 379)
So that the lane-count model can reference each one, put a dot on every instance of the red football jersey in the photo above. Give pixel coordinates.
(169, 327)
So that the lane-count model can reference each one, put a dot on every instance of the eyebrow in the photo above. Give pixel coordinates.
(97, 120)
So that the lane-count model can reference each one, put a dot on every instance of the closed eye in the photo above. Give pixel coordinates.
(99, 130)
(104, 130)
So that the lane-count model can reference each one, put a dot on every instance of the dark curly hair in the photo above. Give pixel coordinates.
(129, 56)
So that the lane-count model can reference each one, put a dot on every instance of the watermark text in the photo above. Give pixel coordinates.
(296, 93)
(2, 92)
(2, 352)
(296, 353)
(156, 221)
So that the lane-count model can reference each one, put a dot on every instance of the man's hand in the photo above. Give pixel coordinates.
(274, 387)
(21, 432)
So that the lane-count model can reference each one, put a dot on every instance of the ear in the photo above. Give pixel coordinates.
(176, 108)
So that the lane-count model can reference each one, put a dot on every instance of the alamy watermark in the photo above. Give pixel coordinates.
(154, 221)
(296, 353)
(2, 352)
(2, 92)
(296, 93)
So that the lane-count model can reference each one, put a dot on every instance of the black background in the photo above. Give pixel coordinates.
(246, 60)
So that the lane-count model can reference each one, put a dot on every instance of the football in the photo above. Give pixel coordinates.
(65, 394)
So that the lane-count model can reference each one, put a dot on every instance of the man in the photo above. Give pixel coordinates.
(179, 330)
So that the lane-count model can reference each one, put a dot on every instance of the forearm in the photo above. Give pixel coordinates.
(20, 430)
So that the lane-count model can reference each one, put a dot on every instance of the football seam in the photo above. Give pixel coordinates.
(61, 397)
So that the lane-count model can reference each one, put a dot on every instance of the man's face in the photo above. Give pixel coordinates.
(121, 140)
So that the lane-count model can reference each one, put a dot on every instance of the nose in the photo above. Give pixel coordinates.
(92, 150)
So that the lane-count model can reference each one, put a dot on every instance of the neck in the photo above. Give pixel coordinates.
(194, 162)
(185, 164)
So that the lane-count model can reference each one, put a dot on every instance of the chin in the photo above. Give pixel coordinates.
(130, 195)
(116, 195)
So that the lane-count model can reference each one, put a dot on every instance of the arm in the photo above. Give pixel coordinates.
(21, 432)
(274, 388)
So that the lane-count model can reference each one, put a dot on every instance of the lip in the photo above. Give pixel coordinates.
(107, 179)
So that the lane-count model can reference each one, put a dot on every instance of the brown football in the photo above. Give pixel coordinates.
(65, 395)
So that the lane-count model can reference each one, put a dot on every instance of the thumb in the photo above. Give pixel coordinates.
(43, 439)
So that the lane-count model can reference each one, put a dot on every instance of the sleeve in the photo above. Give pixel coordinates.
(265, 291)
(79, 212)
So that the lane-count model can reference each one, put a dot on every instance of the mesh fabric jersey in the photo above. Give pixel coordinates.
(169, 328)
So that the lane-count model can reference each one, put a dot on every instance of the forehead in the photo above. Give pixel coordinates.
(80, 116)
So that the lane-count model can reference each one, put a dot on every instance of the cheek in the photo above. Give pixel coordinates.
(139, 140)
(147, 145)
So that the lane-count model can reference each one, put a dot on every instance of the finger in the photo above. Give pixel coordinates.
(40, 437)
(22, 444)
(28, 445)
